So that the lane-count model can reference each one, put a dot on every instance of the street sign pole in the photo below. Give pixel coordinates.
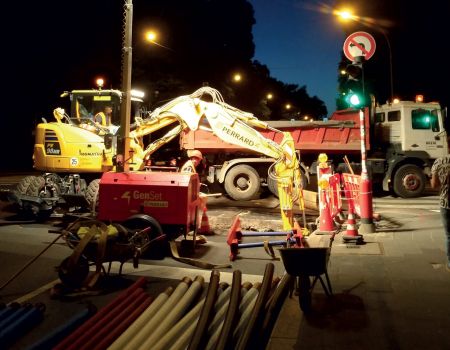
(359, 47)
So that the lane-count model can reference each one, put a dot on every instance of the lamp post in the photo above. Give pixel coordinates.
(125, 110)
(346, 15)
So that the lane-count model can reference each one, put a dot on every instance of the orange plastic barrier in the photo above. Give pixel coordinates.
(352, 190)
(334, 195)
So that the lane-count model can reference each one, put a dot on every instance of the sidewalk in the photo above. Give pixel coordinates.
(391, 293)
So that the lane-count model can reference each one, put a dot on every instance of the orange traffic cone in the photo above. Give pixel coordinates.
(204, 225)
(351, 233)
(326, 223)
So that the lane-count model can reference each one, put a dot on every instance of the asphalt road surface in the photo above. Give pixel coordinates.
(29, 254)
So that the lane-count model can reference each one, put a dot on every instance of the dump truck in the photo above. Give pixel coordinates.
(402, 140)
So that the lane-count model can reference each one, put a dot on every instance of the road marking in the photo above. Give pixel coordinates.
(36, 292)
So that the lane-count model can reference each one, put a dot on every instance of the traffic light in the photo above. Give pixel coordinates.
(355, 84)
(354, 71)
(354, 99)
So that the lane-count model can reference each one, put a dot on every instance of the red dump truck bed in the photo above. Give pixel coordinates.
(341, 133)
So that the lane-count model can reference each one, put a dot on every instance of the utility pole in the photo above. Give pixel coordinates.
(123, 147)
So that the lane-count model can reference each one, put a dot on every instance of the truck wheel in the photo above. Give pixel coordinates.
(242, 182)
(409, 181)
(92, 194)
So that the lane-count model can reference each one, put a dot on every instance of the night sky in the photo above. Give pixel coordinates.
(300, 45)
(301, 41)
(54, 46)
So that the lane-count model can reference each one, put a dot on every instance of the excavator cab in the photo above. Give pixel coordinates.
(74, 142)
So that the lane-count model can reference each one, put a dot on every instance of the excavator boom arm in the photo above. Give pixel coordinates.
(229, 124)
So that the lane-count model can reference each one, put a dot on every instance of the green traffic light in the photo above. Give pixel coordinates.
(354, 100)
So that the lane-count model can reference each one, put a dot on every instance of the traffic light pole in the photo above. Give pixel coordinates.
(365, 188)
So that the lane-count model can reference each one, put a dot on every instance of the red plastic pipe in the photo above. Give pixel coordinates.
(70, 339)
(102, 322)
(117, 326)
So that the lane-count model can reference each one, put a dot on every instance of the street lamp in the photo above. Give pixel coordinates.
(151, 36)
(346, 15)
(237, 78)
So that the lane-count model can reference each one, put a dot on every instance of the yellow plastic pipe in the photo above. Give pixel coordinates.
(148, 328)
(176, 311)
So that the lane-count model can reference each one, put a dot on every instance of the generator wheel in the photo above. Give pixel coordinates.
(157, 249)
(242, 182)
(91, 194)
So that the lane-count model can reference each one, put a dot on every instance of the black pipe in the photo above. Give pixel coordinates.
(224, 341)
(256, 319)
(273, 309)
(198, 338)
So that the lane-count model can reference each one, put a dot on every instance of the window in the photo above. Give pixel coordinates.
(424, 119)
(380, 117)
(394, 116)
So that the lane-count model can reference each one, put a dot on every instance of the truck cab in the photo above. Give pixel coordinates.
(412, 135)
(412, 126)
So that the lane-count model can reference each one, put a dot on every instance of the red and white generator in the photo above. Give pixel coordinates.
(171, 198)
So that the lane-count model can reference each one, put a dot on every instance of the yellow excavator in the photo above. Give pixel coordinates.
(74, 151)
(205, 109)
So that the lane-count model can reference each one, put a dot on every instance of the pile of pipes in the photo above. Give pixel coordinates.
(17, 319)
(188, 316)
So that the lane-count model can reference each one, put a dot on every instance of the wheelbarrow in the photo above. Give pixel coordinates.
(307, 265)
(95, 243)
